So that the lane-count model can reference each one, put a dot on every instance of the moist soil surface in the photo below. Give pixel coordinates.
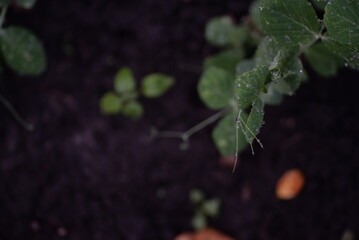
(82, 175)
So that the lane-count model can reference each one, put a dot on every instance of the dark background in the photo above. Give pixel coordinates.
(81, 175)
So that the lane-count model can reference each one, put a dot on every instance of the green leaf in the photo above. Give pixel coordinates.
(4, 3)
(26, 3)
(289, 81)
(226, 60)
(156, 84)
(110, 104)
(124, 81)
(22, 51)
(249, 85)
(290, 21)
(221, 31)
(254, 121)
(224, 135)
(255, 13)
(245, 66)
(211, 207)
(350, 54)
(240, 35)
(199, 222)
(342, 21)
(287, 72)
(215, 88)
(269, 52)
(133, 109)
(272, 96)
(286, 68)
(196, 196)
(322, 60)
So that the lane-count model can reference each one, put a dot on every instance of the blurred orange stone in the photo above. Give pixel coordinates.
(227, 161)
(290, 184)
(205, 234)
(184, 236)
(210, 234)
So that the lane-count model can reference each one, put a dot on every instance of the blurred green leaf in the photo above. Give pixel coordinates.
(322, 60)
(199, 222)
(22, 51)
(350, 54)
(224, 135)
(226, 60)
(4, 3)
(272, 96)
(156, 84)
(133, 109)
(215, 88)
(220, 31)
(124, 81)
(342, 21)
(240, 35)
(245, 65)
(211, 207)
(267, 51)
(284, 63)
(196, 196)
(289, 22)
(255, 13)
(25, 3)
(249, 85)
(110, 104)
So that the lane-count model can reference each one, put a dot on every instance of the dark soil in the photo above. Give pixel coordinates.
(81, 175)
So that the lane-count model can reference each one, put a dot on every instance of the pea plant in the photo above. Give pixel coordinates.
(261, 61)
(124, 98)
(204, 208)
(21, 50)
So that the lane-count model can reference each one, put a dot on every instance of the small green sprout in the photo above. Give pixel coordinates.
(124, 98)
(203, 208)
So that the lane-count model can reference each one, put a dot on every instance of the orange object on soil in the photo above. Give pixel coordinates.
(290, 184)
(205, 234)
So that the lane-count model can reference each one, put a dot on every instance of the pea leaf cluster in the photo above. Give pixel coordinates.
(261, 60)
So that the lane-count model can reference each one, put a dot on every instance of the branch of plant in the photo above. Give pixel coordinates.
(18, 118)
(2, 15)
(184, 136)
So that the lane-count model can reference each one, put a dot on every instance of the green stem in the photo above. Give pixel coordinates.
(187, 134)
(2, 15)
(18, 118)
(205, 123)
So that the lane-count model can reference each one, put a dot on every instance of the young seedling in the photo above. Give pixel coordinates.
(21, 50)
(204, 208)
(124, 98)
